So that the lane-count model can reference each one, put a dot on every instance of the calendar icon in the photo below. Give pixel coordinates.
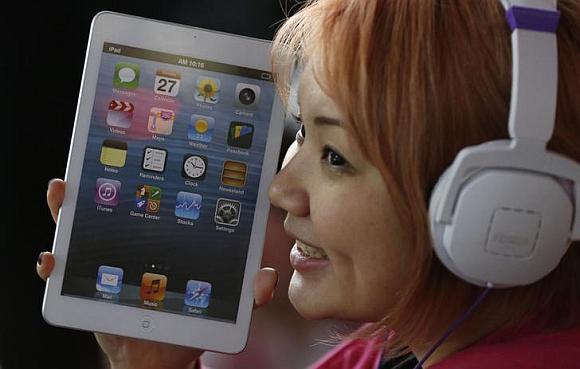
(167, 82)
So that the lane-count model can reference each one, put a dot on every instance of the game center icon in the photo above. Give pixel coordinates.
(148, 199)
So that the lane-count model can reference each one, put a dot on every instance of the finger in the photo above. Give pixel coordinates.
(45, 264)
(55, 196)
(264, 285)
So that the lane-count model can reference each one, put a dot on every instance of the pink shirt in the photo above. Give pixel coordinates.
(524, 349)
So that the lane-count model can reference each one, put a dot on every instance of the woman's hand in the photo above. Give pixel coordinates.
(124, 352)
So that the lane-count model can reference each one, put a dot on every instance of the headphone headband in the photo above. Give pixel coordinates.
(535, 63)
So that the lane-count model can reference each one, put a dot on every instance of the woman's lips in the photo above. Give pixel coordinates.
(305, 258)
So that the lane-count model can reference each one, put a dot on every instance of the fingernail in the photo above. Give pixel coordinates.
(40, 258)
(49, 182)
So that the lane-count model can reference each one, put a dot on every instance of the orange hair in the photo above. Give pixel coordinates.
(417, 81)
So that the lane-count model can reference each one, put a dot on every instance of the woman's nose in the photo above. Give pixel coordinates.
(287, 190)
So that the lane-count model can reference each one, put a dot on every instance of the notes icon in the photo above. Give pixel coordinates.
(114, 153)
(153, 287)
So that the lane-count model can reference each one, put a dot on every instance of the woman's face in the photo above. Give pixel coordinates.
(350, 253)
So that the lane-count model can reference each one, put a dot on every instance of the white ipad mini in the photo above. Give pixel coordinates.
(176, 139)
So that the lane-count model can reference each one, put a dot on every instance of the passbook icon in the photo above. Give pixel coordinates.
(240, 135)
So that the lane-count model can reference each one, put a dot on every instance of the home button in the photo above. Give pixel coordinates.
(146, 323)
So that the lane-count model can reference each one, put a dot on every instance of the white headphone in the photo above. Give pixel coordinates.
(505, 212)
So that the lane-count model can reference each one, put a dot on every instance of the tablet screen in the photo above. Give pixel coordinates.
(169, 183)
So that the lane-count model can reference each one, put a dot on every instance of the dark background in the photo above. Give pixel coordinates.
(42, 55)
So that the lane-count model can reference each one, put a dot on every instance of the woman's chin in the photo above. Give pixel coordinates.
(309, 298)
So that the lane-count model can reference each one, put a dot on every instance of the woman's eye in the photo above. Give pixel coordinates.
(301, 134)
(333, 158)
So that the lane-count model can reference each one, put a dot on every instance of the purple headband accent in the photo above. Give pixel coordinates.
(533, 19)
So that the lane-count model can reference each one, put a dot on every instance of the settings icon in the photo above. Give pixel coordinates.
(227, 212)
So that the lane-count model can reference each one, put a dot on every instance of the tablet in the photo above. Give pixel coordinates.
(176, 139)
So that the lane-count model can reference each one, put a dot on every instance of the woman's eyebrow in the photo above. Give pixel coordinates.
(322, 120)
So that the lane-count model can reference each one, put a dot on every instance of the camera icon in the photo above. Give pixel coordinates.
(247, 96)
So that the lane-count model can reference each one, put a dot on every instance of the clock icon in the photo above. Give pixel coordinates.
(194, 167)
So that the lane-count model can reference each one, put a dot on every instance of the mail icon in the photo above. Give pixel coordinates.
(109, 279)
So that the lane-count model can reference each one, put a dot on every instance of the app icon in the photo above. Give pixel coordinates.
(126, 75)
(197, 294)
(109, 279)
(194, 167)
(120, 114)
(107, 192)
(153, 287)
(154, 159)
(207, 90)
(148, 199)
(240, 135)
(188, 205)
(200, 128)
(167, 82)
(247, 96)
(161, 121)
(227, 212)
(114, 153)
(234, 173)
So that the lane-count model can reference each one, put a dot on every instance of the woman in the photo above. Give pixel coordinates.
(389, 93)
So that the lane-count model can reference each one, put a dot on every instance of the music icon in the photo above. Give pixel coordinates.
(107, 192)
(153, 287)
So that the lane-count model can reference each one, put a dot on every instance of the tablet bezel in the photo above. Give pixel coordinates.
(97, 316)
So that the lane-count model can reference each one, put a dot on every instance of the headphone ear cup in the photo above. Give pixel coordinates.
(508, 227)
(438, 229)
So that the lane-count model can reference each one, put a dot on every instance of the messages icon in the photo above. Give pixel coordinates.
(126, 75)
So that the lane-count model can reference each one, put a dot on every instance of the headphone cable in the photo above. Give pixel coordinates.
(456, 324)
